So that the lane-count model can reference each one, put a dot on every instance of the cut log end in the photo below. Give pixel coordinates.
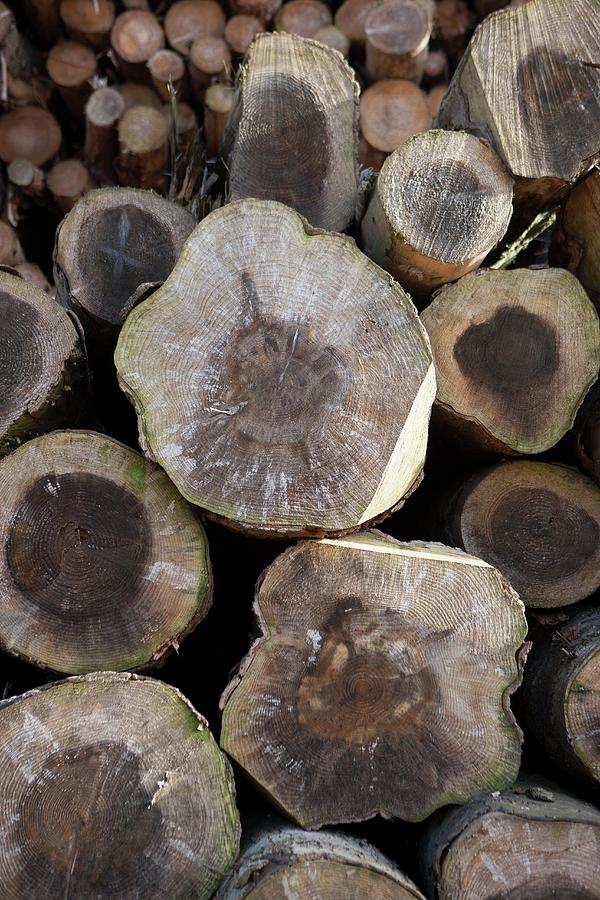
(88, 21)
(71, 64)
(136, 36)
(31, 133)
(303, 17)
(391, 111)
(241, 30)
(187, 20)
(143, 148)
(397, 36)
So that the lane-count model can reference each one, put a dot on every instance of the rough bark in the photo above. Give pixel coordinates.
(576, 237)
(113, 787)
(43, 370)
(515, 352)
(294, 130)
(538, 523)
(392, 111)
(397, 36)
(367, 646)
(534, 841)
(284, 336)
(443, 201)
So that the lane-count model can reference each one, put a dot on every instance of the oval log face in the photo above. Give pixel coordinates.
(21, 358)
(281, 379)
(328, 880)
(582, 712)
(340, 697)
(103, 563)
(113, 786)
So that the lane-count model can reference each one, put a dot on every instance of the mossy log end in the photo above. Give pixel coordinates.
(529, 83)
(103, 563)
(380, 683)
(533, 841)
(516, 352)
(278, 858)
(281, 379)
(293, 131)
(112, 786)
(561, 694)
(43, 368)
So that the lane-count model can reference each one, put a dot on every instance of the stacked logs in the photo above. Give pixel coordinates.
(235, 365)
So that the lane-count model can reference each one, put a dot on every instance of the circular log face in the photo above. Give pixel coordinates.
(515, 354)
(328, 880)
(401, 26)
(539, 524)
(104, 564)
(383, 697)
(582, 713)
(504, 857)
(113, 786)
(281, 379)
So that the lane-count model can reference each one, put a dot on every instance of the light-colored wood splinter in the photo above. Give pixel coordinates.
(561, 694)
(397, 36)
(529, 83)
(326, 864)
(103, 565)
(441, 204)
(43, 370)
(263, 403)
(532, 841)
(293, 133)
(114, 787)
(538, 523)
(516, 352)
(374, 654)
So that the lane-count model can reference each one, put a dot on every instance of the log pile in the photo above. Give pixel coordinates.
(299, 428)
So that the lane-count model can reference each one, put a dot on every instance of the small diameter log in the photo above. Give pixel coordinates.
(442, 203)
(435, 98)
(102, 112)
(515, 353)
(71, 66)
(113, 787)
(139, 95)
(143, 149)
(209, 59)
(262, 9)
(576, 237)
(100, 260)
(284, 388)
(303, 17)
(397, 39)
(104, 565)
(391, 111)
(218, 102)
(436, 67)
(324, 865)
(350, 18)
(68, 181)
(333, 37)
(452, 25)
(11, 252)
(538, 523)
(43, 370)
(31, 133)
(187, 20)
(294, 132)
(561, 694)
(43, 16)
(528, 79)
(533, 841)
(167, 72)
(27, 178)
(241, 30)
(370, 157)
(336, 712)
(135, 37)
(89, 21)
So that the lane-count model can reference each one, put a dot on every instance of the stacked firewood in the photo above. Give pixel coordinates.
(300, 428)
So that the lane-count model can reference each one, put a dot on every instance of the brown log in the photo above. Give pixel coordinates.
(186, 125)
(305, 358)
(143, 148)
(43, 376)
(351, 683)
(370, 157)
(560, 693)
(29, 179)
(516, 352)
(102, 113)
(453, 23)
(586, 434)
(528, 78)
(135, 37)
(296, 93)
(443, 201)
(262, 9)
(333, 37)
(325, 864)
(167, 73)
(538, 523)
(350, 18)
(68, 181)
(576, 238)
(89, 21)
(71, 66)
(435, 98)
(397, 39)
(303, 17)
(218, 102)
(29, 133)
(111, 774)
(187, 20)
(391, 111)
(138, 95)
(532, 841)
(209, 60)
(11, 252)
(241, 30)
(436, 67)
(44, 17)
